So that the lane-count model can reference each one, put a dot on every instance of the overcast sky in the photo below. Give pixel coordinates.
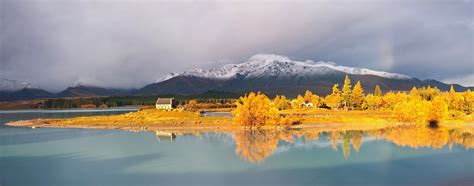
(54, 44)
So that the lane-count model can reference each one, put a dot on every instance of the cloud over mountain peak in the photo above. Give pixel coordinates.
(272, 65)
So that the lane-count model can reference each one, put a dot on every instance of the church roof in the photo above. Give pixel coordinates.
(164, 100)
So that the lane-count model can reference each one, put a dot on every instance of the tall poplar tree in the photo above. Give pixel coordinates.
(357, 96)
(378, 91)
(346, 93)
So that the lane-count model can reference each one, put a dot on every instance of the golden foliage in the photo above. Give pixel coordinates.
(414, 92)
(334, 100)
(316, 101)
(391, 99)
(411, 111)
(298, 103)
(438, 111)
(468, 102)
(357, 96)
(192, 104)
(429, 93)
(346, 93)
(256, 110)
(373, 102)
(455, 100)
(378, 91)
(281, 103)
(308, 96)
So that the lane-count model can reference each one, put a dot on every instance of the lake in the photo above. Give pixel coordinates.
(399, 155)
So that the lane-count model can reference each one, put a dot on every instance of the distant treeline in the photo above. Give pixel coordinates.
(208, 97)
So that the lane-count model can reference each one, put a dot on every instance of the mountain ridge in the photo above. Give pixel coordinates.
(265, 65)
(81, 90)
(275, 74)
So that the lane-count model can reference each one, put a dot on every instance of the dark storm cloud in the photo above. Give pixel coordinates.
(130, 43)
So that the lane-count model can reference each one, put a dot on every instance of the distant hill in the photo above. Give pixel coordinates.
(91, 91)
(217, 94)
(273, 74)
(20, 90)
(24, 94)
(11, 90)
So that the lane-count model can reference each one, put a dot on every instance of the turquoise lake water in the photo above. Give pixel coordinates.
(109, 157)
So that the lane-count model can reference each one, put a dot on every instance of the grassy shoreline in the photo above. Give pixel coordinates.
(153, 120)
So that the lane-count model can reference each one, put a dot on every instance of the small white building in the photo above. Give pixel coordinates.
(164, 103)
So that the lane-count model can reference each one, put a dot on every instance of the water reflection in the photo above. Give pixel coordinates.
(165, 136)
(255, 146)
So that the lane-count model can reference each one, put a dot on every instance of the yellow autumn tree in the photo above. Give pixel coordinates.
(389, 100)
(455, 100)
(377, 91)
(316, 101)
(429, 93)
(308, 95)
(276, 101)
(357, 96)
(280, 102)
(298, 102)
(414, 91)
(438, 111)
(468, 101)
(255, 110)
(346, 93)
(373, 102)
(334, 99)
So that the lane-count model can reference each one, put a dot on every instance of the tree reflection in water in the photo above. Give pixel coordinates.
(255, 146)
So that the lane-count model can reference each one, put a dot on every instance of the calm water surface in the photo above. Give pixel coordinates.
(398, 156)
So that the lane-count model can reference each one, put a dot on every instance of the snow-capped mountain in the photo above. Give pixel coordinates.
(271, 65)
(275, 74)
(13, 85)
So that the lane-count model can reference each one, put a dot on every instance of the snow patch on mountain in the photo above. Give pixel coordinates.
(13, 85)
(271, 65)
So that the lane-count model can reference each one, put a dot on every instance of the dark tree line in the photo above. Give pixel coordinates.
(135, 100)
